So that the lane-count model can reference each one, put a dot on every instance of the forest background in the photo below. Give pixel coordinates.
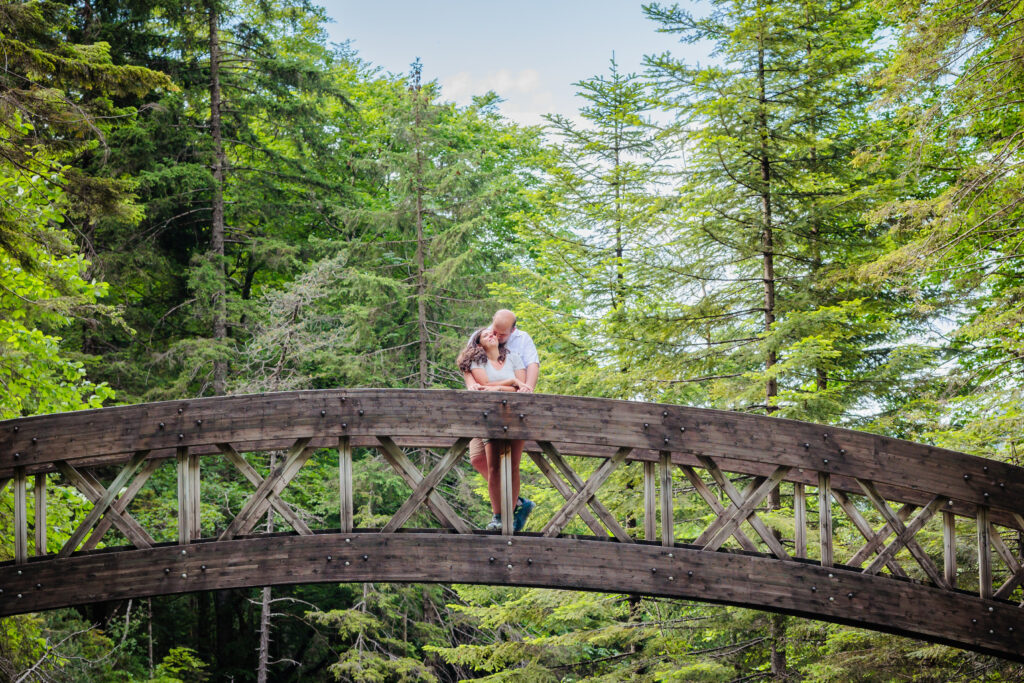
(198, 198)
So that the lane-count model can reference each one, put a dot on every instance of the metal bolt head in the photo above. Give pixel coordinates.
(17, 455)
(689, 573)
(348, 540)
(167, 570)
(365, 558)
(807, 445)
(991, 609)
(966, 477)
(849, 595)
(842, 451)
(485, 413)
(199, 422)
(814, 589)
(825, 460)
(654, 570)
(162, 425)
(180, 437)
(184, 575)
(504, 428)
(666, 439)
(202, 567)
(504, 401)
(347, 563)
(323, 413)
(330, 557)
(180, 411)
(682, 429)
(34, 441)
(646, 425)
(510, 542)
(664, 413)
(671, 578)
(671, 554)
(509, 566)
(522, 416)
(344, 425)
(490, 559)
(831, 599)
(184, 552)
(38, 586)
(360, 411)
(974, 621)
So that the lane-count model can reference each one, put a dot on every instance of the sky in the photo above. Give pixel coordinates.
(530, 51)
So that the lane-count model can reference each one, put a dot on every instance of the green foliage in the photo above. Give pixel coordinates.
(181, 665)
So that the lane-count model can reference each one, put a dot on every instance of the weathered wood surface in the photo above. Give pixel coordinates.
(45, 439)
(799, 588)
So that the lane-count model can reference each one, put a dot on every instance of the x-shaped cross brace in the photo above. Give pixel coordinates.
(102, 503)
(874, 539)
(904, 535)
(268, 491)
(584, 494)
(1016, 570)
(575, 484)
(741, 509)
(280, 507)
(426, 486)
(424, 493)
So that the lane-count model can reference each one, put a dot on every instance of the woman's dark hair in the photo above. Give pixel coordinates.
(475, 354)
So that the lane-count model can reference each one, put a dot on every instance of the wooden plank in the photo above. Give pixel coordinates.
(345, 483)
(120, 506)
(712, 500)
(650, 502)
(742, 508)
(984, 555)
(548, 471)
(40, 504)
(874, 540)
(20, 516)
(583, 495)
(756, 439)
(259, 503)
(101, 505)
(426, 486)
(434, 502)
(825, 519)
(576, 482)
(507, 499)
(253, 477)
(668, 526)
(799, 521)
(92, 488)
(949, 547)
(904, 535)
(184, 504)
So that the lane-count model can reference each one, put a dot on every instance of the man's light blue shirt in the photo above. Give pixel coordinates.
(521, 343)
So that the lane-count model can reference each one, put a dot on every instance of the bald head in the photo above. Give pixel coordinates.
(503, 323)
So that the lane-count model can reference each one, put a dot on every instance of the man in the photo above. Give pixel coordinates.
(503, 324)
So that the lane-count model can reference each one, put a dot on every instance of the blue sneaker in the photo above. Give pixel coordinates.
(521, 512)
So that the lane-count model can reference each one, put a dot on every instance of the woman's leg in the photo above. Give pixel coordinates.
(478, 457)
(517, 455)
(492, 450)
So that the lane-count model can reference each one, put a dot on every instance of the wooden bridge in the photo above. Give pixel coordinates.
(940, 557)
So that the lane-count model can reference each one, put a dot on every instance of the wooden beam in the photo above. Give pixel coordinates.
(184, 495)
(427, 486)
(583, 496)
(548, 471)
(668, 521)
(195, 515)
(434, 502)
(949, 547)
(577, 483)
(984, 555)
(253, 477)
(825, 519)
(752, 581)
(120, 506)
(799, 521)
(716, 507)
(40, 504)
(650, 502)
(345, 482)
(20, 517)
(103, 503)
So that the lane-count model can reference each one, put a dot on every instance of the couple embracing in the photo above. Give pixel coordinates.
(500, 358)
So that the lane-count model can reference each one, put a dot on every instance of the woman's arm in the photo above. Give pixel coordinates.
(480, 375)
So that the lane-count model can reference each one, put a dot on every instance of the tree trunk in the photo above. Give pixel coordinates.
(264, 651)
(767, 236)
(421, 271)
(220, 327)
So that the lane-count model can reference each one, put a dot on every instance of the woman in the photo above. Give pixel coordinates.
(497, 369)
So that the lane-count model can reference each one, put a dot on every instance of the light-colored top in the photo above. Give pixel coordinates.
(507, 371)
(521, 343)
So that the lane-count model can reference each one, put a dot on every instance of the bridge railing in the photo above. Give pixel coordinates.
(926, 515)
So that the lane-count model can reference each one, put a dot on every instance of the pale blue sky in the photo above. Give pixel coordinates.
(530, 51)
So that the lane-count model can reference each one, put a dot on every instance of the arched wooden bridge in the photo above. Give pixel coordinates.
(941, 530)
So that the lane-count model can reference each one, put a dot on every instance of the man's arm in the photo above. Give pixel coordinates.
(532, 373)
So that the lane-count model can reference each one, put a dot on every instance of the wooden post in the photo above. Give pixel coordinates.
(184, 505)
(507, 501)
(984, 555)
(40, 495)
(195, 516)
(825, 517)
(20, 517)
(345, 482)
(949, 546)
(799, 521)
(668, 526)
(650, 496)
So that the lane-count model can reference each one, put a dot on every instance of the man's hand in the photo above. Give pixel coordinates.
(525, 388)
